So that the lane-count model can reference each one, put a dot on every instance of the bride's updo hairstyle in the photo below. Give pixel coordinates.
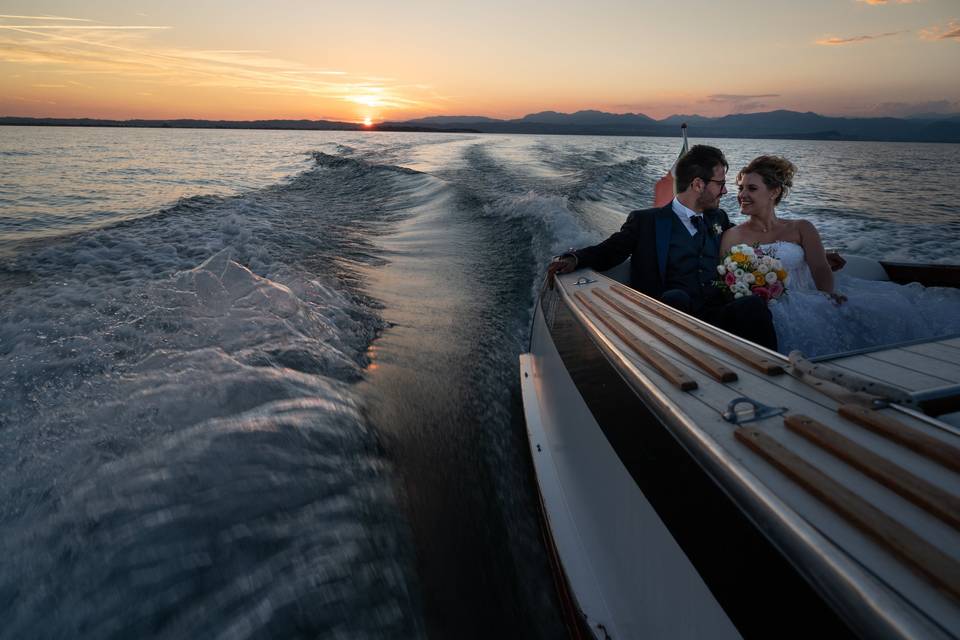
(774, 171)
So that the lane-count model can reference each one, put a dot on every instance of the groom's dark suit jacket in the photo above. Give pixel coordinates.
(645, 239)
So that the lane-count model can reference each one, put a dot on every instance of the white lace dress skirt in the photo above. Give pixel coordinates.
(875, 312)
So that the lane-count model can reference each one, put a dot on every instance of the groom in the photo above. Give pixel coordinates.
(674, 251)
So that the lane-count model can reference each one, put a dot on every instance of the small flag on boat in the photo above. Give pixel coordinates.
(666, 187)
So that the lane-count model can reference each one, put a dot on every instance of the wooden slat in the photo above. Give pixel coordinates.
(717, 370)
(925, 495)
(655, 359)
(928, 560)
(753, 357)
(805, 371)
(892, 429)
(920, 362)
(937, 350)
(886, 373)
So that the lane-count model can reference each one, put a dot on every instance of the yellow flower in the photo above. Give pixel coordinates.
(759, 276)
(739, 258)
(782, 275)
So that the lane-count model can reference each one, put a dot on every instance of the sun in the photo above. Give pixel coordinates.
(367, 121)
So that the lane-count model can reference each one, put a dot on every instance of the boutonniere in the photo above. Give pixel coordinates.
(717, 229)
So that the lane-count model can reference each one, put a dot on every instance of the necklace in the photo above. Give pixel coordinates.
(764, 228)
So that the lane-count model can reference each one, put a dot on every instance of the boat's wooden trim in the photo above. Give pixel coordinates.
(927, 496)
(667, 369)
(939, 568)
(891, 428)
(717, 370)
(736, 559)
(929, 275)
(749, 355)
(870, 587)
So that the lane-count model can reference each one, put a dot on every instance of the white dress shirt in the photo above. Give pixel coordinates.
(685, 214)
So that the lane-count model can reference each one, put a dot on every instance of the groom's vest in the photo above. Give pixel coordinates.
(692, 265)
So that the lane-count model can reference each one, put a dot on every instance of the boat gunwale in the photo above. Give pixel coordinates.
(813, 555)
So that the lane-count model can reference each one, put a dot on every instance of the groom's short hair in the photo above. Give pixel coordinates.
(698, 162)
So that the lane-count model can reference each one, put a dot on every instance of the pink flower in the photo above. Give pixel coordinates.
(776, 289)
(762, 292)
(729, 279)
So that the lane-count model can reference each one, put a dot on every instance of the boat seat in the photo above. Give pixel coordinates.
(620, 273)
(863, 268)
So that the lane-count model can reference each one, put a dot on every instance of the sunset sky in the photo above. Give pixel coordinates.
(397, 60)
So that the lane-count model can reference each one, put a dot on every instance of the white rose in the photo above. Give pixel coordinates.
(749, 279)
(728, 262)
(739, 273)
(742, 288)
(722, 270)
(770, 277)
(738, 295)
(762, 268)
(767, 261)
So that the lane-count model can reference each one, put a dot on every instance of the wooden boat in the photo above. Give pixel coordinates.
(696, 485)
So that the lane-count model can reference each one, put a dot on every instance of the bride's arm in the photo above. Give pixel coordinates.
(816, 256)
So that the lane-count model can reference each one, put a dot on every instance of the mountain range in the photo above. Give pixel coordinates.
(772, 124)
(782, 124)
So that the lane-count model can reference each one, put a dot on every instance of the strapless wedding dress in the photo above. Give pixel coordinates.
(875, 312)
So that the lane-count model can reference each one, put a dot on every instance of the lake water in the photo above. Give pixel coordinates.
(264, 383)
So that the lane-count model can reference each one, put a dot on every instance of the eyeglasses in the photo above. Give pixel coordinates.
(722, 183)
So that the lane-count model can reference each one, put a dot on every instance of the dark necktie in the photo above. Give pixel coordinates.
(697, 223)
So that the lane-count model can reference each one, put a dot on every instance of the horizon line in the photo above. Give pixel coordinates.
(565, 113)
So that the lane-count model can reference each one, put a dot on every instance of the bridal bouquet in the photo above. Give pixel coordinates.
(747, 270)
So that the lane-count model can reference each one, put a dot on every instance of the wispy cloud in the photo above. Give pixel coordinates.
(739, 102)
(58, 18)
(875, 2)
(85, 27)
(834, 41)
(950, 31)
(739, 97)
(127, 53)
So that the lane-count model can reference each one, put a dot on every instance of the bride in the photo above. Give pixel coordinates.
(824, 312)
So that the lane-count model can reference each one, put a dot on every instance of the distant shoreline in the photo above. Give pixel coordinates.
(748, 127)
(265, 125)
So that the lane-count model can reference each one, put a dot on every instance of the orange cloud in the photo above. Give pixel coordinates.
(834, 41)
(949, 32)
(874, 2)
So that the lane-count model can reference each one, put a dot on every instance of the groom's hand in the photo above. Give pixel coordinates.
(835, 260)
(561, 264)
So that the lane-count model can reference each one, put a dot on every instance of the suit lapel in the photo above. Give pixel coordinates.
(664, 227)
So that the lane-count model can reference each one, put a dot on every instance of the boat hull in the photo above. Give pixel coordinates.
(654, 538)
